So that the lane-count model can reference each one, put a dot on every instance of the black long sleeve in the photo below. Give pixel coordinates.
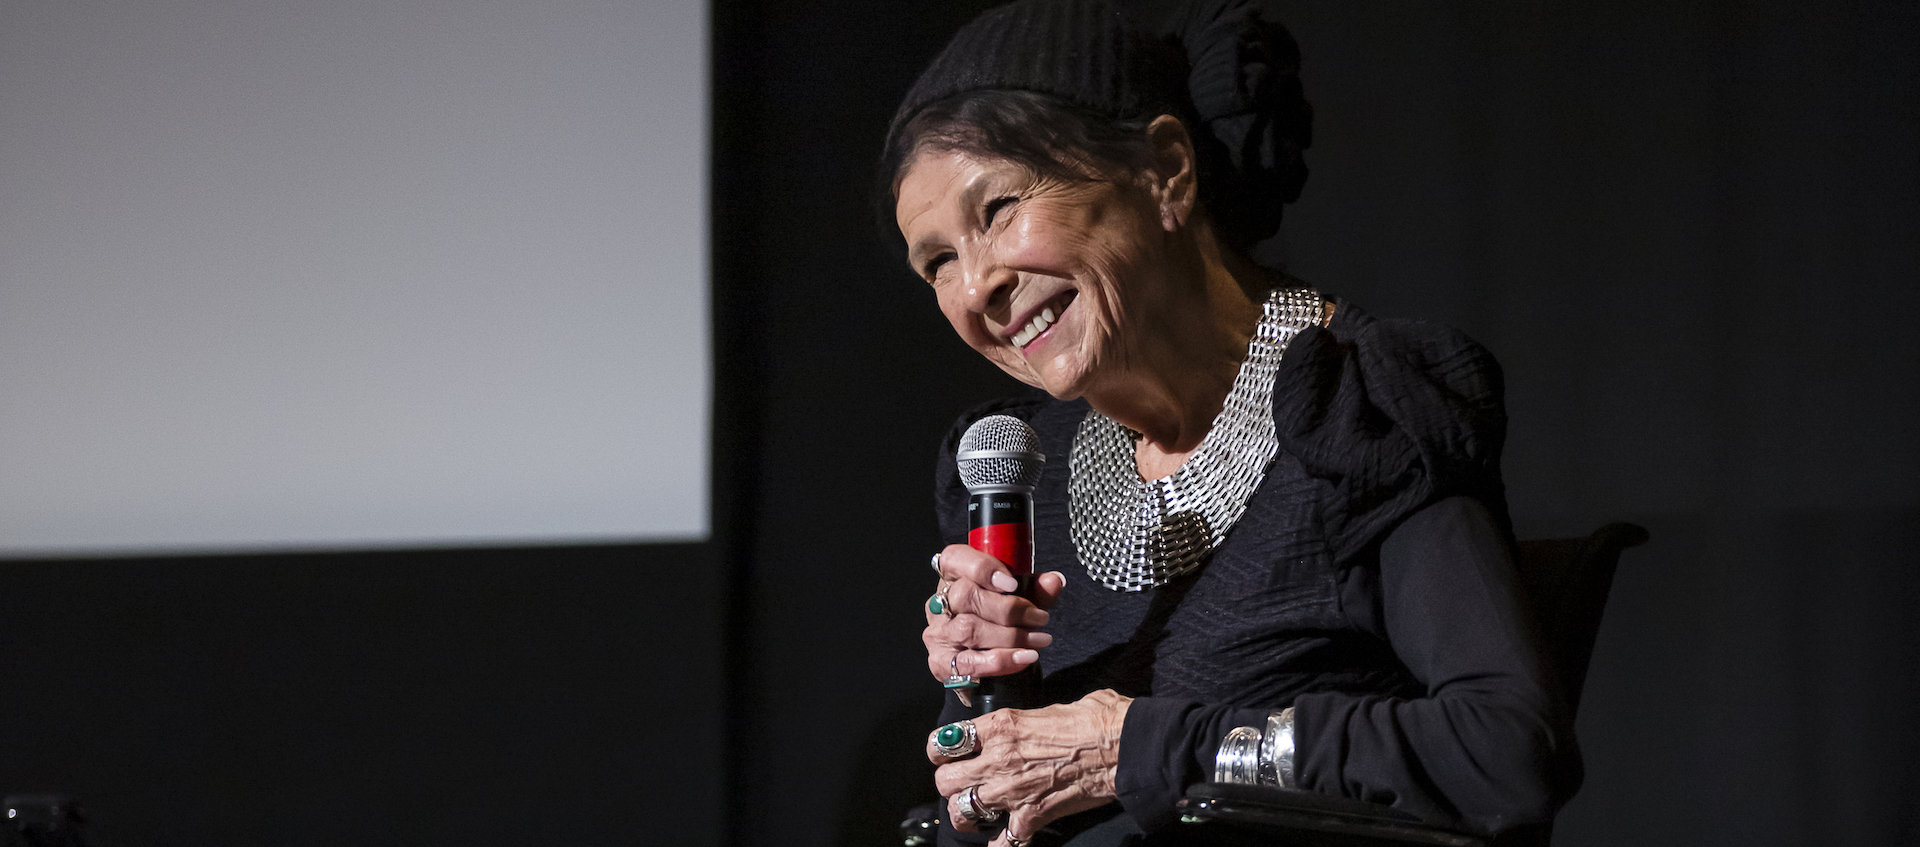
(1487, 747)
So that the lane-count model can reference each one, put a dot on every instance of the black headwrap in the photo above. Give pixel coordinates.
(1219, 65)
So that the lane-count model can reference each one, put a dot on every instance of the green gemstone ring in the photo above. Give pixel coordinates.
(936, 605)
(956, 739)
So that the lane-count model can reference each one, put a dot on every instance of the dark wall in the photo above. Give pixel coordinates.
(484, 697)
(1689, 231)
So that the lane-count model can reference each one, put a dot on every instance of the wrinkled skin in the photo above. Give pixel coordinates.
(1037, 764)
(989, 631)
(1149, 321)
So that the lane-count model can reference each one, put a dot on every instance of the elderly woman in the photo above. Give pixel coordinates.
(1275, 511)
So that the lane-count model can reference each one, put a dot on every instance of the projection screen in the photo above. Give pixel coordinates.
(351, 274)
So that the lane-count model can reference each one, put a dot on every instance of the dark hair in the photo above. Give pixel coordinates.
(1068, 87)
(1049, 135)
(1063, 140)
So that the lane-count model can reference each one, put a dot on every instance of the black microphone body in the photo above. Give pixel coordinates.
(1000, 524)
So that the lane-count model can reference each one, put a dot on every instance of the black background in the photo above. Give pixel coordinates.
(1691, 232)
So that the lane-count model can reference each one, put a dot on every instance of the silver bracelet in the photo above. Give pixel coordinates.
(1276, 749)
(1239, 758)
(1256, 756)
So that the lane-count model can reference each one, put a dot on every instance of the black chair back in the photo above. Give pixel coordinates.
(1567, 581)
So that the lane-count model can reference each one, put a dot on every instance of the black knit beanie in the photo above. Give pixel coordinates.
(1219, 65)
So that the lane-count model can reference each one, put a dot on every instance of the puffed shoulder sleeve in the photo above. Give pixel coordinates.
(1388, 416)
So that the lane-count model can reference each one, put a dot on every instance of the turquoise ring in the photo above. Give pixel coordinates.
(959, 681)
(936, 605)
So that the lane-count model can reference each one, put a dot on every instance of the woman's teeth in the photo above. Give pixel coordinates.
(1034, 327)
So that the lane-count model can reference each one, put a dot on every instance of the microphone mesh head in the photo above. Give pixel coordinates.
(996, 436)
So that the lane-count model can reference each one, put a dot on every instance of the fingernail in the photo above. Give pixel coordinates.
(1040, 639)
(1005, 581)
(1025, 657)
(1044, 617)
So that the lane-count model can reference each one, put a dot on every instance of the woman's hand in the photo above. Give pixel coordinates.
(985, 630)
(1037, 764)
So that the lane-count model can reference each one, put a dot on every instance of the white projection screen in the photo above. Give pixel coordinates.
(351, 274)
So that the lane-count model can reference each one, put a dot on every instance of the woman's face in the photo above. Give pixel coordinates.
(1051, 280)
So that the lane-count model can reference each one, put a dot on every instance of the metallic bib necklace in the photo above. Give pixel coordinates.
(1133, 534)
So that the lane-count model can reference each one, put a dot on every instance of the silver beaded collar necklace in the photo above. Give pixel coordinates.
(1134, 534)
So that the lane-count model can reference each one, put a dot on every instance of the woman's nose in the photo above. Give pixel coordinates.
(988, 286)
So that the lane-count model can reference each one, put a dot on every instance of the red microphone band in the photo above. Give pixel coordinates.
(1001, 525)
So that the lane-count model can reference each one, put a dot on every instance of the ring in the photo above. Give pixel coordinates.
(936, 565)
(956, 739)
(1015, 841)
(956, 679)
(938, 603)
(971, 809)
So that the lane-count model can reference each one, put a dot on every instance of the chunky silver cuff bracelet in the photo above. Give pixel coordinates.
(1238, 759)
(1276, 749)
(1257, 756)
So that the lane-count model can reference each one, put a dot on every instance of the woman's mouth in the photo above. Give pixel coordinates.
(1043, 320)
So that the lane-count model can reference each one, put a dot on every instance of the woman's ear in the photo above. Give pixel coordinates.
(1176, 185)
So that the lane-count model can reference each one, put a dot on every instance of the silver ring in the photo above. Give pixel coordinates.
(956, 679)
(971, 809)
(1015, 841)
(936, 565)
(956, 739)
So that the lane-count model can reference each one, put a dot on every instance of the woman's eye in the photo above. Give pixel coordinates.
(994, 208)
(934, 265)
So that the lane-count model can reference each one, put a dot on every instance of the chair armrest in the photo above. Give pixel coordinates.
(1310, 819)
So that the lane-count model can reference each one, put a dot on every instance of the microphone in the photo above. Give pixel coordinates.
(1000, 462)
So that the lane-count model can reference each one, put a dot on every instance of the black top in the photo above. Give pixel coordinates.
(1369, 585)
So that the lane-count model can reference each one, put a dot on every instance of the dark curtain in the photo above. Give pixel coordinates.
(559, 695)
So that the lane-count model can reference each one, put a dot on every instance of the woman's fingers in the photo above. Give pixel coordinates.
(966, 632)
(958, 561)
(981, 630)
(1018, 821)
(1047, 587)
(964, 596)
(1038, 765)
(956, 812)
(979, 663)
(1025, 819)
(984, 792)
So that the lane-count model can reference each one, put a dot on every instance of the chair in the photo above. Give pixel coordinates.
(1566, 581)
(41, 820)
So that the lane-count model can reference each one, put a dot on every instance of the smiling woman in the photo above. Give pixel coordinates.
(1281, 519)
(1086, 284)
(1064, 281)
